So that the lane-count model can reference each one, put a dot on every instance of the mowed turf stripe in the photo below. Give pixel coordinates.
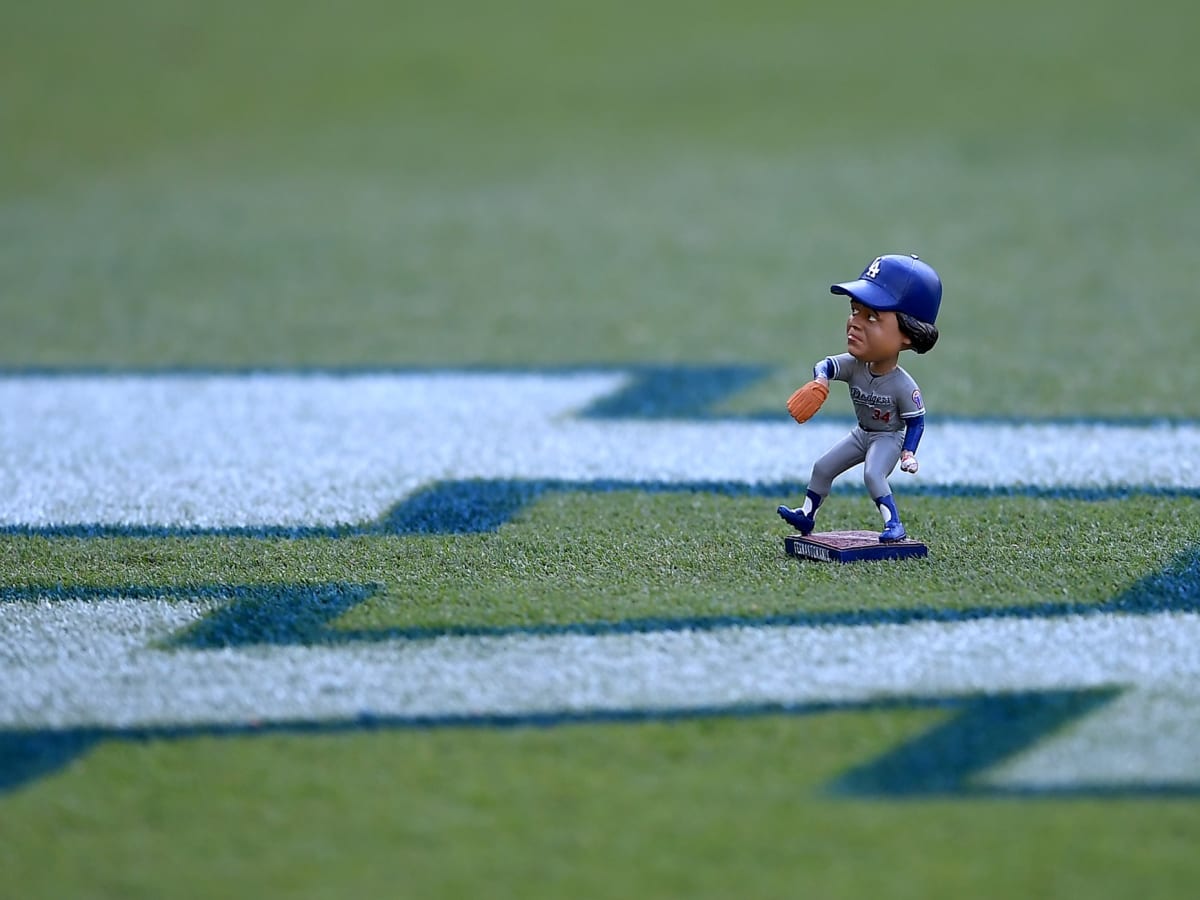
(211, 452)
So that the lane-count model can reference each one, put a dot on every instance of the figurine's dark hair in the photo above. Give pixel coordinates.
(922, 334)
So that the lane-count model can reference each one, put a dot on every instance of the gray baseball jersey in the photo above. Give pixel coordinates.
(881, 402)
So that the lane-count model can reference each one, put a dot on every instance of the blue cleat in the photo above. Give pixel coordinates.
(894, 532)
(797, 519)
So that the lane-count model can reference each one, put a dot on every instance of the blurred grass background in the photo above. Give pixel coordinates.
(534, 182)
(372, 183)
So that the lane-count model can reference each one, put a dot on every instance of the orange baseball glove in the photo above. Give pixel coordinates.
(805, 402)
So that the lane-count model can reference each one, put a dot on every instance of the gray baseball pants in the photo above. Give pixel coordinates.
(879, 450)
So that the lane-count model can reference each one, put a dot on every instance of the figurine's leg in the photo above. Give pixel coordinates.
(893, 528)
(802, 517)
(847, 452)
(882, 455)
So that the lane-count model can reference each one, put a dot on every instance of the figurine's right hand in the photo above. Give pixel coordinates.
(804, 403)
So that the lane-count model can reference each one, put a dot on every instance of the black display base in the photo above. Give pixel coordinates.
(850, 546)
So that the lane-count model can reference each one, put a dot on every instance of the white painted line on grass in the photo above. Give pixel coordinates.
(296, 450)
(95, 663)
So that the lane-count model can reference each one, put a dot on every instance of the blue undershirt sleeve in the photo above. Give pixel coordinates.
(914, 428)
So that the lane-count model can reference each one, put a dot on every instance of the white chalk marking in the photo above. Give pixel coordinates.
(295, 450)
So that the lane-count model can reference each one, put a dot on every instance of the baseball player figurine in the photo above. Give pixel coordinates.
(893, 305)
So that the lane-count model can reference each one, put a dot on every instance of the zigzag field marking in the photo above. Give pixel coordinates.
(1059, 698)
(1120, 681)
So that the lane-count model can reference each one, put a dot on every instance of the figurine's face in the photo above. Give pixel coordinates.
(874, 336)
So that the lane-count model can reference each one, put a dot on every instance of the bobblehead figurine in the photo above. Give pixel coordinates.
(893, 306)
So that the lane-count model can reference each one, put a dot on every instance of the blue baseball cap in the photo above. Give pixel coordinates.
(899, 282)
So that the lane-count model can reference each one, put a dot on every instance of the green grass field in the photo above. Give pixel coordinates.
(519, 186)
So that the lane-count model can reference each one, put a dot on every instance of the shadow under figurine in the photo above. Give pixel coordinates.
(893, 306)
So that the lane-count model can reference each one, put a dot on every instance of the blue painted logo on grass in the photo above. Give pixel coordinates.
(1057, 698)
(328, 453)
(1015, 711)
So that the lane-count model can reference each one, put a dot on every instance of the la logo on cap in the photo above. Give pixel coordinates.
(873, 268)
